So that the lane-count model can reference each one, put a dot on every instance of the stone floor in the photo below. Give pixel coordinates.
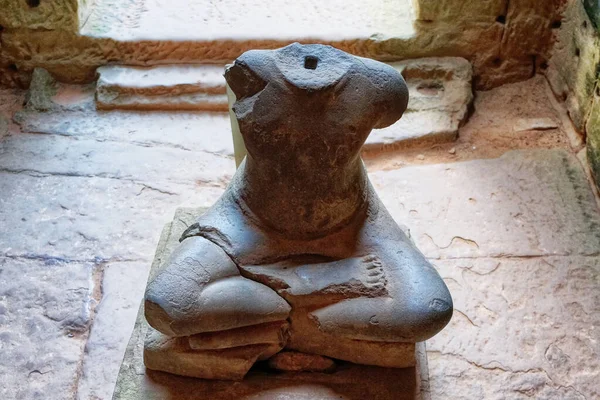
(229, 19)
(506, 213)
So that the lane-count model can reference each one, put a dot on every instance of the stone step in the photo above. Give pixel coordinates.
(167, 87)
(440, 96)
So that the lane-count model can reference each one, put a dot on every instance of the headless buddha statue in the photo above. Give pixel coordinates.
(299, 252)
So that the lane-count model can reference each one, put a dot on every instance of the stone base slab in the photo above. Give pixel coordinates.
(349, 381)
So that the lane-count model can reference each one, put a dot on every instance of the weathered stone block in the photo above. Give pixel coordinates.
(523, 328)
(440, 96)
(40, 14)
(593, 139)
(44, 315)
(84, 218)
(574, 65)
(528, 30)
(193, 131)
(540, 198)
(460, 10)
(123, 286)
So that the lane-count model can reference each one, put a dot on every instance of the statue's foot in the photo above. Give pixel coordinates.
(307, 283)
(200, 290)
(378, 304)
(417, 307)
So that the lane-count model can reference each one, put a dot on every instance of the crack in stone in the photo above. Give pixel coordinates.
(57, 259)
(457, 238)
(140, 143)
(40, 174)
(487, 366)
(470, 269)
(503, 368)
(466, 316)
(145, 186)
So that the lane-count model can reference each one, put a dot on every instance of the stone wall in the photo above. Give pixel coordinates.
(574, 72)
(39, 14)
(506, 40)
(49, 17)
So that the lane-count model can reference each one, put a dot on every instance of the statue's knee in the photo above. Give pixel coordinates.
(173, 293)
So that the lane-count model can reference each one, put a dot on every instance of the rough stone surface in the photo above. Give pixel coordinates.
(523, 328)
(210, 132)
(593, 139)
(593, 9)
(86, 218)
(3, 126)
(296, 361)
(173, 87)
(45, 309)
(541, 124)
(10, 102)
(46, 94)
(452, 10)
(573, 67)
(122, 287)
(46, 15)
(525, 203)
(574, 72)
(70, 156)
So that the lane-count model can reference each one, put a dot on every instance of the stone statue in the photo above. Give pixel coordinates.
(299, 252)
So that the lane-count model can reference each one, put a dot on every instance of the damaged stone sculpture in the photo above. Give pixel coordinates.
(299, 253)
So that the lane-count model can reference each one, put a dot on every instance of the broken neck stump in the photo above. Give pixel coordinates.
(298, 263)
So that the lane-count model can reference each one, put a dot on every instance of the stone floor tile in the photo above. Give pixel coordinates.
(58, 155)
(44, 317)
(525, 203)
(522, 328)
(210, 132)
(123, 287)
(78, 218)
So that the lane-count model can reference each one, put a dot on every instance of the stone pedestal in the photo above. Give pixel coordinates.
(347, 381)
